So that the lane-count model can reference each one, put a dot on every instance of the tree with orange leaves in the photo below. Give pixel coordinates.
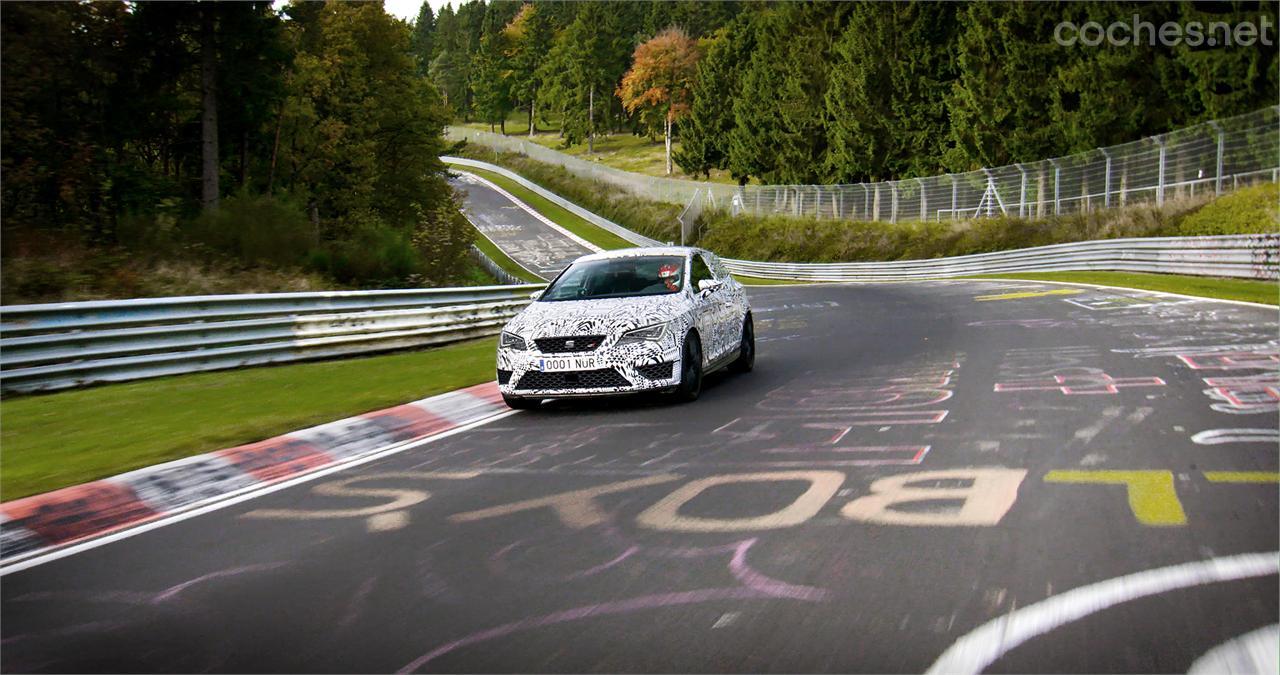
(661, 79)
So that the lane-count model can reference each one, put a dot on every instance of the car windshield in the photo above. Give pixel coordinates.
(618, 278)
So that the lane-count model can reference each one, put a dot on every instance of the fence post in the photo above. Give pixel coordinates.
(1057, 173)
(866, 201)
(954, 194)
(1160, 175)
(893, 202)
(1022, 188)
(924, 202)
(1217, 180)
(1106, 180)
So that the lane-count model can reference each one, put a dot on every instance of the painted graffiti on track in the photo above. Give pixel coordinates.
(963, 485)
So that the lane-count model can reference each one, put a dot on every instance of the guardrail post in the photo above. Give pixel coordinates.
(1217, 180)
(1160, 175)
(1106, 180)
(1057, 174)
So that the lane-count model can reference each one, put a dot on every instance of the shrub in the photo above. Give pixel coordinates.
(1251, 210)
(256, 229)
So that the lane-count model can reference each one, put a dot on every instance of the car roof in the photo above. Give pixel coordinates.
(683, 251)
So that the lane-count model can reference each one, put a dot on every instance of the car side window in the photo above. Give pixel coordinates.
(700, 271)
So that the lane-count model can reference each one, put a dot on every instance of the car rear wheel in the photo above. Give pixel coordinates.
(747, 350)
(516, 403)
(690, 370)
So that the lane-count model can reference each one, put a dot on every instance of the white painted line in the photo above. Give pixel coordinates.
(1254, 652)
(550, 223)
(981, 647)
(243, 495)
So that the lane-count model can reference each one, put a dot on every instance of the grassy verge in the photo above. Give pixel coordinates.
(1247, 290)
(504, 261)
(55, 440)
(558, 214)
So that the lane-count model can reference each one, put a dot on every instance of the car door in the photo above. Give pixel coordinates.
(706, 309)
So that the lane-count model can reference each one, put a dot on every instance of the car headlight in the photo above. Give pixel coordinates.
(647, 334)
(512, 341)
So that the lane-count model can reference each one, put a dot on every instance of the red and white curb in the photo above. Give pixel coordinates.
(35, 525)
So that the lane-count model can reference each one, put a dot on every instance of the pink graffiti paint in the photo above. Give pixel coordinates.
(1081, 385)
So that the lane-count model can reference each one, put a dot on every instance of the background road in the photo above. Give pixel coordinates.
(1089, 435)
(533, 244)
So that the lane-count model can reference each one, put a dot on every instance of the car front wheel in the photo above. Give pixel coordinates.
(746, 350)
(690, 370)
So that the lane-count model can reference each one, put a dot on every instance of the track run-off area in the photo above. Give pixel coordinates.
(966, 476)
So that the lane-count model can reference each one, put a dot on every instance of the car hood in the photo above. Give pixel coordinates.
(611, 316)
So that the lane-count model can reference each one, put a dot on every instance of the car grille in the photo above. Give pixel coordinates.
(504, 376)
(656, 371)
(560, 345)
(572, 379)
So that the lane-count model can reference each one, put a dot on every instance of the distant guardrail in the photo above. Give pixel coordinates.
(56, 346)
(1239, 256)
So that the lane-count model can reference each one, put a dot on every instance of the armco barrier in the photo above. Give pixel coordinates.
(56, 346)
(1238, 256)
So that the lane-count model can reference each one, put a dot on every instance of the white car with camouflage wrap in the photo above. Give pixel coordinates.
(627, 321)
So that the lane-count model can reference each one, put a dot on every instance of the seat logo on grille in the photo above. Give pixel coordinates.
(568, 343)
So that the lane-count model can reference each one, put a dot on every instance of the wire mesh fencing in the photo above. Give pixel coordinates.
(1205, 159)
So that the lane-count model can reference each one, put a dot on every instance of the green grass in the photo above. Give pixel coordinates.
(556, 213)
(760, 281)
(1263, 292)
(55, 440)
(625, 151)
(504, 261)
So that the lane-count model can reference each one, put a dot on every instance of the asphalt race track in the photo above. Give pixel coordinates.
(535, 245)
(907, 463)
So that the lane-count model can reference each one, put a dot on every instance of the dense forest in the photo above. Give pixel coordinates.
(306, 138)
(799, 92)
(307, 135)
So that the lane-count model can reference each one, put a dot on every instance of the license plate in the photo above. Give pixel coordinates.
(567, 363)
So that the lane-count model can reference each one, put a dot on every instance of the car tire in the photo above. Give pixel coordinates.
(690, 370)
(746, 350)
(520, 403)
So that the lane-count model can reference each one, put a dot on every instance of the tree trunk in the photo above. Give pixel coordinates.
(209, 117)
(668, 130)
(275, 150)
(591, 120)
(244, 157)
(531, 127)
(503, 125)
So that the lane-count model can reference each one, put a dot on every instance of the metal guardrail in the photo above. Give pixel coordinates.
(1239, 256)
(61, 345)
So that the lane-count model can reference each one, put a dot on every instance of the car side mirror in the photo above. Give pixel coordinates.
(708, 284)
(535, 295)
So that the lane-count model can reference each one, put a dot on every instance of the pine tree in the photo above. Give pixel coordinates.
(704, 132)
(528, 37)
(424, 37)
(780, 135)
(885, 107)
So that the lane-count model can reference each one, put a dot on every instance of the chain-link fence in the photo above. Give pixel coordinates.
(1208, 158)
